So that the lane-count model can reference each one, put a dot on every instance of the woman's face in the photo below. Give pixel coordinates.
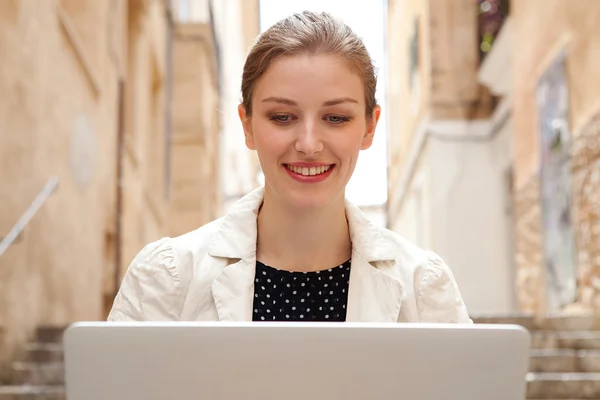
(308, 125)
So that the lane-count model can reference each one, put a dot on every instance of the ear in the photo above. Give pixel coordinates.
(246, 124)
(371, 126)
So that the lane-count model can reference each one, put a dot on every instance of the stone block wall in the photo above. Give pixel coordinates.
(585, 153)
(586, 196)
(529, 254)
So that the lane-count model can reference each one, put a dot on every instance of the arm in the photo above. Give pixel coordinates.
(438, 296)
(151, 288)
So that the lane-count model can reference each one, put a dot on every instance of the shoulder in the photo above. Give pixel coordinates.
(175, 252)
(157, 279)
(405, 251)
(195, 242)
(421, 263)
(436, 291)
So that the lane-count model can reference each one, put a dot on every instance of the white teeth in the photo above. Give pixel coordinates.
(309, 171)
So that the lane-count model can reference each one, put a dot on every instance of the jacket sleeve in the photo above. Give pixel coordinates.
(438, 297)
(151, 288)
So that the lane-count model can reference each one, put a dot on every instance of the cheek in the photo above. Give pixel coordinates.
(350, 147)
(268, 140)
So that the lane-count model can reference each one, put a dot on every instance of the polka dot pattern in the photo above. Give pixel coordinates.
(301, 296)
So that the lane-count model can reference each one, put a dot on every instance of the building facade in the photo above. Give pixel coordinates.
(448, 189)
(110, 138)
(492, 160)
(236, 26)
(556, 78)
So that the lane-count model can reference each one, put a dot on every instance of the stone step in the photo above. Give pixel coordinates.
(43, 352)
(558, 323)
(38, 373)
(527, 321)
(32, 393)
(564, 360)
(581, 340)
(558, 386)
(49, 334)
(570, 323)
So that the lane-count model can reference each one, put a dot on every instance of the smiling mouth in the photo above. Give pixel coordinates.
(309, 171)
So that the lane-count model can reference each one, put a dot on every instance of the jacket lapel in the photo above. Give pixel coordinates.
(233, 291)
(375, 292)
(235, 242)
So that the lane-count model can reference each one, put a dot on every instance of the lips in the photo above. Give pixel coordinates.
(309, 173)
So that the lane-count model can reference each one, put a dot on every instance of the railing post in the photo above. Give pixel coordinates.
(37, 203)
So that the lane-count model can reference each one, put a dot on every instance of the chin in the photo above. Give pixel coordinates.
(311, 199)
(309, 196)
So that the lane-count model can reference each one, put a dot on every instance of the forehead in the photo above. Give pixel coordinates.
(308, 78)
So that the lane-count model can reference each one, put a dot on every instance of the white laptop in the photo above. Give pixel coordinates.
(295, 361)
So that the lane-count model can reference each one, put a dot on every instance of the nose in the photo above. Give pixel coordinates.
(308, 139)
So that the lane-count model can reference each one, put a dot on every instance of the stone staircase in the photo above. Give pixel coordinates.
(565, 356)
(565, 361)
(38, 374)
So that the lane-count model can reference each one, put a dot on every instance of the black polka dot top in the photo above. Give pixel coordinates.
(301, 296)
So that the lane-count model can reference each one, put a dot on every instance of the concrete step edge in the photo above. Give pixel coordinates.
(563, 376)
(564, 352)
(574, 334)
(25, 365)
(32, 389)
(34, 346)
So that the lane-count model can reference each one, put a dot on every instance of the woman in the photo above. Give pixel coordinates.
(295, 250)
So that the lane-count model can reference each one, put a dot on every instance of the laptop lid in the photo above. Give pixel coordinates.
(295, 361)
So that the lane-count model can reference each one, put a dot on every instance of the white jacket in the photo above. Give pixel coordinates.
(208, 275)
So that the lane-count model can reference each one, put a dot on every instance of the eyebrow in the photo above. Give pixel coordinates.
(341, 100)
(328, 103)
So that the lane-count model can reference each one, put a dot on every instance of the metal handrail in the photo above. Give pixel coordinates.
(41, 198)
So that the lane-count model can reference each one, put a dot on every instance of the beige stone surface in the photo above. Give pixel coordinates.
(529, 258)
(250, 21)
(145, 211)
(551, 27)
(54, 273)
(406, 106)
(547, 27)
(585, 152)
(586, 201)
(455, 90)
(59, 109)
(445, 86)
(195, 191)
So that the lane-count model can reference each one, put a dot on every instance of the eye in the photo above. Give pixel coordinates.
(281, 119)
(337, 119)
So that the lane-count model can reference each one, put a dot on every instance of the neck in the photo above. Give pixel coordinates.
(302, 240)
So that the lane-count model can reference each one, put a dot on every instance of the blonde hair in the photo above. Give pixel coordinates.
(309, 33)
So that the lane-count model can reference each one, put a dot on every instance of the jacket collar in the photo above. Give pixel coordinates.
(375, 293)
(367, 239)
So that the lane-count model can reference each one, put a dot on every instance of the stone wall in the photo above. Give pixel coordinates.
(586, 200)
(529, 254)
(59, 111)
(585, 153)
(195, 196)
(456, 94)
(57, 103)
(145, 203)
(433, 62)
(544, 28)
(550, 27)
(408, 94)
